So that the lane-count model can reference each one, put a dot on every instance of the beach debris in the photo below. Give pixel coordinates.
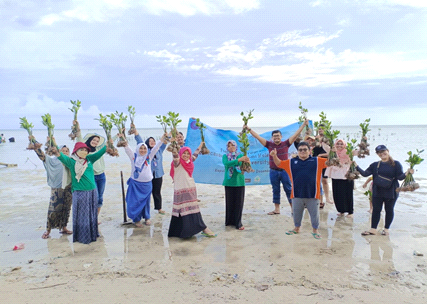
(30, 261)
(417, 253)
(18, 246)
(87, 265)
(50, 144)
(235, 276)
(352, 173)
(24, 124)
(244, 140)
(107, 125)
(394, 273)
(119, 120)
(16, 268)
(363, 145)
(204, 150)
(409, 183)
(262, 287)
(75, 108)
(132, 113)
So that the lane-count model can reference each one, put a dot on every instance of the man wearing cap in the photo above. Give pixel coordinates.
(278, 175)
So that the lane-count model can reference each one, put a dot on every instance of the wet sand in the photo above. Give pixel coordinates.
(258, 265)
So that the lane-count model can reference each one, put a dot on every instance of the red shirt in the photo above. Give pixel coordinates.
(282, 151)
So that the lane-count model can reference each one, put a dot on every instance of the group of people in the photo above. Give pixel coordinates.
(78, 180)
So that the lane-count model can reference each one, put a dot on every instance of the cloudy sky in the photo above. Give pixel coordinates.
(213, 59)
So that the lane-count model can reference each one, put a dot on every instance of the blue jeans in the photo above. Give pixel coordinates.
(277, 177)
(100, 181)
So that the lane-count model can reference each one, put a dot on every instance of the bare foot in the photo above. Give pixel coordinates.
(138, 224)
(147, 222)
(241, 228)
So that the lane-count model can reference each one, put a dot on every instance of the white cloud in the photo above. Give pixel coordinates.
(170, 57)
(296, 38)
(231, 52)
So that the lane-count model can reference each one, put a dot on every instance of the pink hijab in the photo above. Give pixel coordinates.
(188, 166)
(342, 155)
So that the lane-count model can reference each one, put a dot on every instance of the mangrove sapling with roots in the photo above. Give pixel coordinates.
(301, 120)
(363, 145)
(323, 124)
(173, 121)
(352, 173)
(132, 113)
(119, 120)
(107, 125)
(244, 141)
(409, 183)
(332, 135)
(204, 150)
(75, 108)
(24, 124)
(47, 121)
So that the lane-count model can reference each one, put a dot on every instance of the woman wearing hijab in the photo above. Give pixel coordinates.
(186, 219)
(139, 184)
(60, 193)
(342, 189)
(386, 169)
(157, 171)
(234, 183)
(95, 142)
(85, 194)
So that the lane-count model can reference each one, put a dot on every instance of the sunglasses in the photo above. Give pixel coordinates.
(302, 150)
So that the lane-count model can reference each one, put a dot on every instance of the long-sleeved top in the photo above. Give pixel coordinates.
(237, 179)
(145, 175)
(305, 175)
(54, 169)
(99, 165)
(386, 170)
(87, 181)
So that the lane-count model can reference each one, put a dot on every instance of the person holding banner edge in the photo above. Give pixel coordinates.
(278, 175)
(234, 183)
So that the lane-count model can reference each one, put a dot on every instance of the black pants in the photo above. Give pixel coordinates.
(234, 200)
(342, 191)
(377, 206)
(157, 195)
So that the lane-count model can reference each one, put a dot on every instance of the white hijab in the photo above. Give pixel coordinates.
(140, 159)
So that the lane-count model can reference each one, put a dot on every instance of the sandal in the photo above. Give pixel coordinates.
(322, 205)
(241, 228)
(45, 235)
(383, 232)
(316, 235)
(209, 235)
(290, 232)
(162, 212)
(273, 213)
(364, 233)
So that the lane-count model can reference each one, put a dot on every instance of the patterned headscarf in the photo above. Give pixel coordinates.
(232, 156)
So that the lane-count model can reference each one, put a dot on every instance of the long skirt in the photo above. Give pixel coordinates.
(59, 208)
(186, 226)
(85, 216)
(138, 199)
(234, 200)
(342, 191)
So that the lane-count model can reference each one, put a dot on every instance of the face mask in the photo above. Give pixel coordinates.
(82, 153)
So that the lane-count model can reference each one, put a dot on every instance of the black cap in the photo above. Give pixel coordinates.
(380, 148)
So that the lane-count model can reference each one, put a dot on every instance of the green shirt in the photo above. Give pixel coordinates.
(87, 181)
(237, 179)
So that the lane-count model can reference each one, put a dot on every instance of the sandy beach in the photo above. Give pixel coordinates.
(258, 265)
